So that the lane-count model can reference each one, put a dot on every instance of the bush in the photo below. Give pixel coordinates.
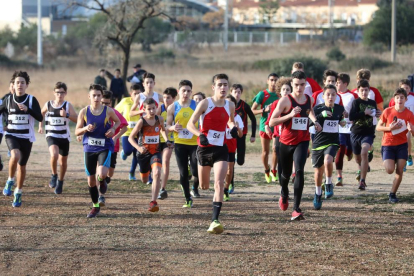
(371, 63)
(5, 62)
(314, 67)
(335, 54)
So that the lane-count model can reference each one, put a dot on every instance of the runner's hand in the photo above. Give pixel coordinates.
(142, 150)
(268, 131)
(409, 127)
(318, 127)
(22, 107)
(346, 114)
(62, 113)
(295, 111)
(90, 128)
(252, 139)
(110, 133)
(378, 113)
(177, 126)
(395, 125)
(368, 111)
(79, 138)
(40, 130)
(203, 140)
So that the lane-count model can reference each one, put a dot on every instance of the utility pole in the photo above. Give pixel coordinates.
(330, 5)
(393, 31)
(39, 33)
(226, 26)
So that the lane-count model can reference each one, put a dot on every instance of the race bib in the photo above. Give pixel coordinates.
(96, 142)
(19, 118)
(345, 129)
(330, 126)
(228, 135)
(57, 121)
(215, 137)
(151, 140)
(312, 130)
(401, 129)
(132, 124)
(300, 123)
(185, 134)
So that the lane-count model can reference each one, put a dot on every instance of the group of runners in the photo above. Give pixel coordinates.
(206, 133)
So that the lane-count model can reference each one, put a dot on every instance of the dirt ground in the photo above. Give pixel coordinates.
(354, 233)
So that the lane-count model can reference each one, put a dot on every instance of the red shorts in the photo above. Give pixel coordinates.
(264, 135)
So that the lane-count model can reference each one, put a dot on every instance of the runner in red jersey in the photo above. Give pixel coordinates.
(294, 113)
(214, 114)
(311, 85)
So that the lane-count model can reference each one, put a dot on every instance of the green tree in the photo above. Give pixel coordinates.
(6, 35)
(268, 10)
(154, 32)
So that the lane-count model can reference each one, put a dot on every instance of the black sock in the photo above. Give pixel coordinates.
(226, 190)
(216, 210)
(93, 191)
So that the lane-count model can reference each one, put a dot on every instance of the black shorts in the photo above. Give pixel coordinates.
(113, 159)
(23, 145)
(146, 161)
(318, 156)
(232, 157)
(207, 156)
(62, 143)
(92, 159)
(357, 141)
(163, 145)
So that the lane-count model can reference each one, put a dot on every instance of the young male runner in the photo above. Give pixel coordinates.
(325, 144)
(95, 126)
(214, 113)
(149, 128)
(294, 112)
(21, 110)
(198, 97)
(169, 96)
(124, 107)
(312, 86)
(395, 122)
(362, 114)
(409, 103)
(232, 146)
(345, 145)
(244, 111)
(58, 114)
(264, 99)
(107, 100)
(178, 116)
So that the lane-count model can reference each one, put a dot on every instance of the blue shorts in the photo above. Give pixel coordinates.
(358, 139)
(395, 152)
(345, 140)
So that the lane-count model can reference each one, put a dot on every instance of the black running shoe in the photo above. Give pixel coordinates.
(108, 180)
(370, 155)
(94, 212)
(59, 187)
(393, 198)
(163, 194)
(53, 181)
(103, 186)
(362, 185)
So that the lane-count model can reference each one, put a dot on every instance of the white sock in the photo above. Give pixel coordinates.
(318, 190)
(10, 179)
(17, 191)
(329, 180)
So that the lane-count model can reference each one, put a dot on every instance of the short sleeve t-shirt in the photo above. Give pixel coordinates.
(387, 117)
(124, 107)
(265, 99)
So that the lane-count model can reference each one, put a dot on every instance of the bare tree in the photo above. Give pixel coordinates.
(125, 19)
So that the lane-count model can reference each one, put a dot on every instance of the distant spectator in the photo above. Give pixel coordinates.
(137, 76)
(100, 79)
(117, 86)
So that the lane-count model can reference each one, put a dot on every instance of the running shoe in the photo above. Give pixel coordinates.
(188, 204)
(149, 182)
(268, 177)
(358, 177)
(194, 193)
(190, 175)
(370, 155)
(103, 187)
(108, 180)
(405, 168)
(339, 182)
(297, 215)
(226, 196)
(101, 201)
(317, 202)
(350, 156)
(215, 227)
(153, 207)
(123, 155)
(329, 190)
(283, 203)
(163, 194)
(94, 212)
(274, 176)
(53, 181)
(17, 201)
(362, 185)
(59, 187)
(293, 177)
(132, 177)
(410, 160)
(231, 189)
(393, 198)
(7, 191)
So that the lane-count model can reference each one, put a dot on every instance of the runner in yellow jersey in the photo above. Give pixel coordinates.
(124, 107)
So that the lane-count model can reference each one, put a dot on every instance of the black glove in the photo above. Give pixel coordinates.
(233, 132)
(203, 139)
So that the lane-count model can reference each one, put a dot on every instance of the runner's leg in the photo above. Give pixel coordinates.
(286, 154)
(398, 175)
(299, 158)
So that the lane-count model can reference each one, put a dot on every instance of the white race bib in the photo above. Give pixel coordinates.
(96, 142)
(19, 118)
(228, 135)
(56, 121)
(132, 124)
(312, 130)
(185, 134)
(151, 140)
(215, 137)
(300, 123)
(401, 129)
(345, 129)
(330, 126)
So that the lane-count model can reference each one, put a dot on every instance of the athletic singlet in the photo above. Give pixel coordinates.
(243, 114)
(56, 125)
(164, 116)
(213, 123)
(149, 136)
(20, 124)
(296, 130)
(230, 141)
(183, 115)
(142, 98)
(96, 141)
(124, 107)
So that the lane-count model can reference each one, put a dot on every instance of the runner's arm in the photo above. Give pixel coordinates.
(283, 106)
(114, 119)
(44, 110)
(252, 119)
(35, 111)
(164, 131)
(170, 118)
(72, 114)
(201, 108)
(313, 117)
(231, 123)
(134, 133)
(80, 128)
(133, 111)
